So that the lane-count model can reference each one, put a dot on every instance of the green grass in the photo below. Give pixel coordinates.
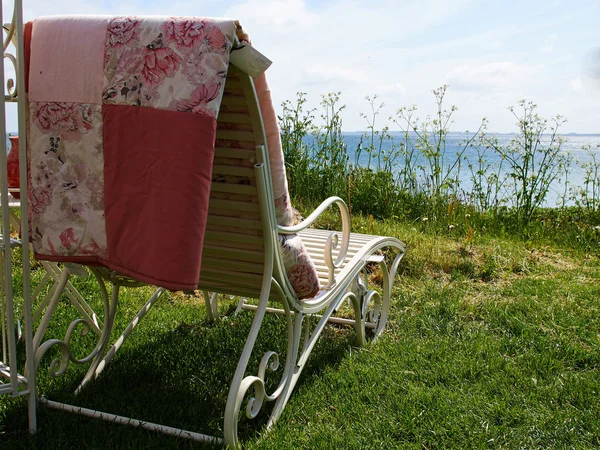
(492, 342)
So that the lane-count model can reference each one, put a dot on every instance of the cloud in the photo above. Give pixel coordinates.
(494, 76)
(277, 15)
(548, 46)
(591, 67)
(36, 8)
(576, 84)
(391, 89)
(325, 73)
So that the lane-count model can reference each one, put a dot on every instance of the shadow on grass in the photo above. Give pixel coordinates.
(178, 377)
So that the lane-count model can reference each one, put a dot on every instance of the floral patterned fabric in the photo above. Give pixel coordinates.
(179, 64)
(67, 179)
(298, 265)
(80, 68)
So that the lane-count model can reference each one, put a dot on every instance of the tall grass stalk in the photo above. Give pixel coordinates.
(588, 195)
(533, 163)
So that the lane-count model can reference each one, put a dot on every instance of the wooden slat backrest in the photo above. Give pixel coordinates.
(233, 252)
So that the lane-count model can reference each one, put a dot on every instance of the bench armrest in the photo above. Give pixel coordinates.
(333, 239)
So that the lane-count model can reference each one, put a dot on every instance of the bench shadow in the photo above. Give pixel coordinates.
(180, 378)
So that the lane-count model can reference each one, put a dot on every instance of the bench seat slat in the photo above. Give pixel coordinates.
(234, 188)
(233, 253)
(235, 135)
(239, 171)
(217, 204)
(234, 222)
(234, 118)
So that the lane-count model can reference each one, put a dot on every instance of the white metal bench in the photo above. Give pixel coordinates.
(241, 258)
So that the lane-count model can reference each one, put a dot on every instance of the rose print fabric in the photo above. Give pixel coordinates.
(299, 267)
(117, 103)
(178, 64)
(67, 179)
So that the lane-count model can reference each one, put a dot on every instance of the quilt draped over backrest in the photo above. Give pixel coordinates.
(122, 123)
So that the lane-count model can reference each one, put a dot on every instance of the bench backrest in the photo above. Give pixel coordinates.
(233, 253)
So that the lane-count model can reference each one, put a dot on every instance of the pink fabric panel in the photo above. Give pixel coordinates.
(269, 116)
(299, 267)
(157, 184)
(67, 57)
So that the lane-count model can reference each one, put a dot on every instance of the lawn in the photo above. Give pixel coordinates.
(492, 342)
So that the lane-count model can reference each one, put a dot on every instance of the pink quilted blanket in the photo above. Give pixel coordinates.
(122, 120)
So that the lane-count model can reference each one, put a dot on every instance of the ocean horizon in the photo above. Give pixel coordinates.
(575, 145)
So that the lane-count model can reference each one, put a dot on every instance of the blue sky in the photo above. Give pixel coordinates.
(490, 53)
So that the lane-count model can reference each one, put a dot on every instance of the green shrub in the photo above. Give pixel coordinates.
(417, 178)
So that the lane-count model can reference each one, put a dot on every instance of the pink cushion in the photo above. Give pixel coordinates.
(297, 262)
(299, 267)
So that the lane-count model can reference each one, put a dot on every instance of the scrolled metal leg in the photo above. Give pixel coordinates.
(359, 303)
(372, 308)
(110, 309)
(270, 361)
(294, 369)
(58, 366)
(41, 330)
(388, 284)
(300, 358)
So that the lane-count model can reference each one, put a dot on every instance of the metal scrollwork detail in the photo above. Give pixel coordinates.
(58, 366)
(62, 363)
(332, 240)
(11, 37)
(372, 307)
(333, 243)
(269, 364)
(269, 361)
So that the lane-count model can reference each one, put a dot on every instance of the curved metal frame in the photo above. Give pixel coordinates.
(370, 309)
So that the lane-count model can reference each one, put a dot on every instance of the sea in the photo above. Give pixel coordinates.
(582, 148)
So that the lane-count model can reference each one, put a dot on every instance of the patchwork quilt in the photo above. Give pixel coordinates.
(121, 134)
(122, 123)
